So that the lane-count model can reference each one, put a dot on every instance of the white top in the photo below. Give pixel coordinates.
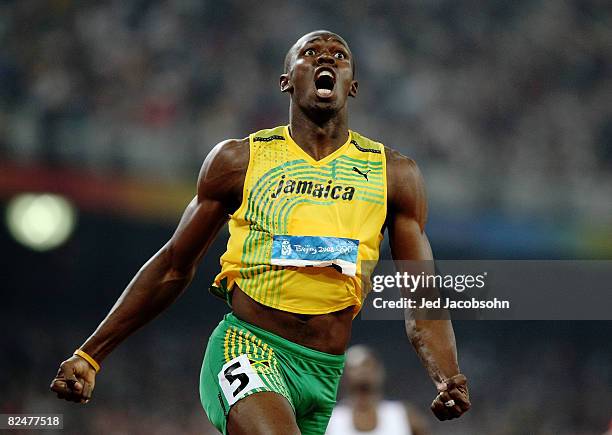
(392, 419)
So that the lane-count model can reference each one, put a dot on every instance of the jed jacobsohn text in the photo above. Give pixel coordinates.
(412, 282)
(427, 281)
(446, 303)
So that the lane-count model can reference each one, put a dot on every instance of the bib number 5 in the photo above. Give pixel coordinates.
(238, 377)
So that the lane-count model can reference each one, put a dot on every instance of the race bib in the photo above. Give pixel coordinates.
(237, 378)
(316, 251)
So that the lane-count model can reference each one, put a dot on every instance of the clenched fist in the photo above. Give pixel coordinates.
(453, 399)
(75, 380)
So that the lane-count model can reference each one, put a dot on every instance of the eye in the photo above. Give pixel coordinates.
(339, 55)
(309, 52)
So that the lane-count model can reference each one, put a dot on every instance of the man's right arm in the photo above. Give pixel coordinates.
(164, 277)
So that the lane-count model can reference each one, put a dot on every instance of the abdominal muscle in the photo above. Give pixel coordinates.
(328, 333)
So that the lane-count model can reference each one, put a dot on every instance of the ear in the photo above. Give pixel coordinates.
(285, 84)
(353, 88)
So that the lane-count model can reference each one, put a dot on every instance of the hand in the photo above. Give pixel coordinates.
(453, 392)
(75, 380)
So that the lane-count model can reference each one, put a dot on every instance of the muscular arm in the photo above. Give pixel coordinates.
(164, 277)
(433, 340)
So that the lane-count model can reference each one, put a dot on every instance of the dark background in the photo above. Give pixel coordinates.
(506, 106)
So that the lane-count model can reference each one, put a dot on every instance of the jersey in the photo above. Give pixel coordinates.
(304, 226)
(392, 418)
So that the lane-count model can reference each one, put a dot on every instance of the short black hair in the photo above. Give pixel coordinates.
(289, 54)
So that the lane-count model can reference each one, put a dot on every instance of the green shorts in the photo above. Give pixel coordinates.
(242, 359)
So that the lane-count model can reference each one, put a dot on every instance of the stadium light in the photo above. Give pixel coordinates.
(40, 221)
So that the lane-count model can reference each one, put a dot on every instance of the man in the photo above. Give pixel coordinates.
(311, 193)
(364, 410)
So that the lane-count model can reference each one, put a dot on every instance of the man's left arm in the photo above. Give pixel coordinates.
(433, 340)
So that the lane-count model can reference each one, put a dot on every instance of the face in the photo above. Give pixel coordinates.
(320, 73)
(364, 379)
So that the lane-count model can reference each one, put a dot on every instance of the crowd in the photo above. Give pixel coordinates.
(503, 104)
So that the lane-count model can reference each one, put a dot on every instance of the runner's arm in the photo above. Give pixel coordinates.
(164, 277)
(433, 340)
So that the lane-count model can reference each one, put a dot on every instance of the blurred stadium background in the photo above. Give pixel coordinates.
(506, 106)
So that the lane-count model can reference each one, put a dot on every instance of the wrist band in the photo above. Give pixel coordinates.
(87, 358)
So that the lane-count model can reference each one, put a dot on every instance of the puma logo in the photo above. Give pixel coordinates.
(364, 174)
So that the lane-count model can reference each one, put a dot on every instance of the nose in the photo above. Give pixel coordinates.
(326, 57)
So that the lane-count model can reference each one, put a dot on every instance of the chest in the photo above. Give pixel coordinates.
(340, 194)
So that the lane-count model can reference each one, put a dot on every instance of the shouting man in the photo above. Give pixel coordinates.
(306, 204)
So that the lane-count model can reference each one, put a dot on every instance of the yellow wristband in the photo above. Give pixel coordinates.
(87, 358)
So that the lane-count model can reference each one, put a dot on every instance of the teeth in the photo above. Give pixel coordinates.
(326, 73)
(324, 92)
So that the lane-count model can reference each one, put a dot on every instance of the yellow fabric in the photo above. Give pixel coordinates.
(267, 210)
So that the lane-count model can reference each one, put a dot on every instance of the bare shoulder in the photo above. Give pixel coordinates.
(404, 179)
(400, 165)
(227, 156)
(223, 172)
(405, 188)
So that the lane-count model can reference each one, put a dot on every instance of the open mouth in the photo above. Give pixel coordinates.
(324, 83)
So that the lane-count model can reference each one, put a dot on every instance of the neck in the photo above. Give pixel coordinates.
(365, 416)
(318, 136)
(366, 404)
